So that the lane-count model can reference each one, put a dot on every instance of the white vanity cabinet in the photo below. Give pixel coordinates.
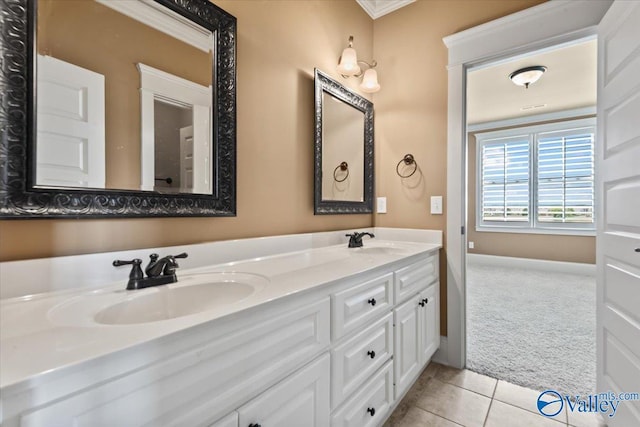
(338, 354)
(417, 321)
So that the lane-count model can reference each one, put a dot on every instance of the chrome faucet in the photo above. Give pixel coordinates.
(160, 271)
(355, 239)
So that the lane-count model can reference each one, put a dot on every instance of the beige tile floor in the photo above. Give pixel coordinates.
(447, 397)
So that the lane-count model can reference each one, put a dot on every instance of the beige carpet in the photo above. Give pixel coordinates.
(532, 328)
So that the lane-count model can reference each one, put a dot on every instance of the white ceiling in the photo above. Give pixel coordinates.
(569, 83)
(378, 8)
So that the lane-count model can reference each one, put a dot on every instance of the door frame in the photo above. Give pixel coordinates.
(543, 26)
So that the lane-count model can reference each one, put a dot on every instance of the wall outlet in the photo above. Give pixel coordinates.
(381, 205)
(471, 245)
(436, 205)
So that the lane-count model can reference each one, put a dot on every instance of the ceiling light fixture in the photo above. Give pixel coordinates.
(349, 66)
(528, 75)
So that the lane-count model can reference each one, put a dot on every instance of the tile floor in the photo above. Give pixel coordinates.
(448, 397)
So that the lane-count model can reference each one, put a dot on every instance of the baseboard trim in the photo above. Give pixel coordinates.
(441, 355)
(535, 264)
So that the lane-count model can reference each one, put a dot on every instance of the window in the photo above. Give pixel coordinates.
(537, 179)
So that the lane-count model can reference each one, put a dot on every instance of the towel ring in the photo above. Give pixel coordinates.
(343, 167)
(408, 159)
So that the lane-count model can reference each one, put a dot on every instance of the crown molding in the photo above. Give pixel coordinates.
(377, 8)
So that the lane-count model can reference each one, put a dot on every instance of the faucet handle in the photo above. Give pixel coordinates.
(171, 265)
(136, 271)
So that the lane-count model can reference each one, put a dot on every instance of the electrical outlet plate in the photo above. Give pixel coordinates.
(381, 206)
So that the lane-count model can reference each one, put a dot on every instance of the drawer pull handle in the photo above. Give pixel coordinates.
(371, 354)
(372, 301)
(372, 411)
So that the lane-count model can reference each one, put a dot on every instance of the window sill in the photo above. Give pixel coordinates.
(525, 230)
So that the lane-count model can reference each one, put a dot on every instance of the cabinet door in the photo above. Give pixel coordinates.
(407, 351)
(429, 323)
(302, 399)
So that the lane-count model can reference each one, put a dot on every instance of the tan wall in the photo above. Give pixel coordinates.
(82, 33)
(279, 44)
(411, 108)
(521, 245)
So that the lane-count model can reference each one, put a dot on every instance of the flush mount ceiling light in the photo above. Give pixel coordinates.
(528, 75)
(349, 66)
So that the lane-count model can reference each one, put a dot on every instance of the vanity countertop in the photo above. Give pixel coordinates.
(33, 342)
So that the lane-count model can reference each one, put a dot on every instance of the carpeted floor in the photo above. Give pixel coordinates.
(532, 328)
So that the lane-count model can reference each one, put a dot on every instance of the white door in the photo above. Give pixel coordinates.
(186, 159)
(71, 136)
(618, 185)
(300, 400)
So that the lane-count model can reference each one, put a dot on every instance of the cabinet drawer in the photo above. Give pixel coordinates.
(353, 361)
(415, 277)
(200, 385)
(369, 406)
(357, 306)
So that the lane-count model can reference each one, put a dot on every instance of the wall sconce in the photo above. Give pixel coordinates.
(349, 65)
(528, 75)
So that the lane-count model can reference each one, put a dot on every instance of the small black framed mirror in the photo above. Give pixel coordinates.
(343, 149)
(117, 109)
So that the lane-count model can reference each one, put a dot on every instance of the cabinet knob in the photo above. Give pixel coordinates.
(372, 301)
(426, 300)
(371, 354)
(421, 303)
(254, 425)
(637, 249)
(371, 411)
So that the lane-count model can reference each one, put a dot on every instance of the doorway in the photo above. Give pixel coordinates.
(531, 223)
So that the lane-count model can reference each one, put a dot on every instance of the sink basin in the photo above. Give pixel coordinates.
(192, 294)
(381, 250)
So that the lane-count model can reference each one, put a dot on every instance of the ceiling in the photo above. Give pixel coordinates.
(378, 8)
(569, 83)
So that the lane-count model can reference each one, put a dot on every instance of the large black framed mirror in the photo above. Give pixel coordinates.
(343, 149)
(117, 109)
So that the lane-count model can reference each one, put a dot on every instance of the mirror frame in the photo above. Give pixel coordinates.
(20, 199)
(324, 83)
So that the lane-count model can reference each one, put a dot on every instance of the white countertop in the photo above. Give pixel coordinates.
(33, 342)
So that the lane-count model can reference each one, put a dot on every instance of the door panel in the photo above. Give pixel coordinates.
(407, 350)
(618, 190)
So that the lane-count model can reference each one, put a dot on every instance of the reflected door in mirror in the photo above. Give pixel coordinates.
(98, 115)
(342, 150)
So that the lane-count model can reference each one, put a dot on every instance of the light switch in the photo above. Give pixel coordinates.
(436, 205)
(471, 245)
(382, 205)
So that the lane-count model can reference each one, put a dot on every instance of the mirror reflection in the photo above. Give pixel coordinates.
(343, 140)
(342, 150)
(124, 97)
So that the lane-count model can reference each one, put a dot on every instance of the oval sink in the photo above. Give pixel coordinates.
(192, 294)
(167, 303)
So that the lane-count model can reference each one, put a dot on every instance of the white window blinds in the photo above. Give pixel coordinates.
(565, 177)
(505, 181)
(538, 178)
